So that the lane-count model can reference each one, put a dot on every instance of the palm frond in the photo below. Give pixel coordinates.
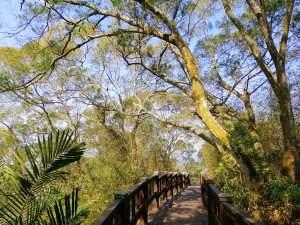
(59, 152)
(66, 213)
(23, 198)
(35, 210)
(55, 154)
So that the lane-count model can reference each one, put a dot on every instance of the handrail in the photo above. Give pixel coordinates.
(221, 210)
(132, 206)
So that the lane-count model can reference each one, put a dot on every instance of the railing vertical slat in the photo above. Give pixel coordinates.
(145, 199)
(124, 210)
(133, 206)
(156, 190)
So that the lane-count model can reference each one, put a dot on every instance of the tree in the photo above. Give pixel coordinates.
(273, 18)
(148, 45)
(134, 46)
(152, 18)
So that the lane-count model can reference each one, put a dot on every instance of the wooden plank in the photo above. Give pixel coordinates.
(238, 216)
(184, 208)
(109, 213)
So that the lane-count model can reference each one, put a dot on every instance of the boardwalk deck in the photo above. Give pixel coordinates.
(184, 208)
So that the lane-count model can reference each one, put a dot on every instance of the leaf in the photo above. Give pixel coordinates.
(66, 212)
(31, 196)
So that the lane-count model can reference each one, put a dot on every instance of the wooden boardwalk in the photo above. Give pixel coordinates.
(184, 208)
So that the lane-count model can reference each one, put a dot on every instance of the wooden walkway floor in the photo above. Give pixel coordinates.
(184, 208)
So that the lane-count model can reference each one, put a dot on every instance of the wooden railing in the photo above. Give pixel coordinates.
(132, 206)
(221, 210)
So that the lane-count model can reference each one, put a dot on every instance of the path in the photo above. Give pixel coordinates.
(184, 208)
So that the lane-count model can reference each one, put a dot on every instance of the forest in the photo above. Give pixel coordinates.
(95, 94)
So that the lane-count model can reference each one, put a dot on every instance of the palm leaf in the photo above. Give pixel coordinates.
(23, 199)
(35, 210)
(66, 213)
(60, 152)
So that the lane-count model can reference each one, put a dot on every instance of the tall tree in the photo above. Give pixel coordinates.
(143, 17)
(146, 36)
(274, 21)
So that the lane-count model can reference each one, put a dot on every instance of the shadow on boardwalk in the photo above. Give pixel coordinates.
(184, 208)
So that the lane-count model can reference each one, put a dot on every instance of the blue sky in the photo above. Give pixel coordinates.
(8, 20)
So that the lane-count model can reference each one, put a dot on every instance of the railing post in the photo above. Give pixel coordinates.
(156, 187)
(174, 182)
(188, 180)
(177, 182)
(184, 177)
(209, 201)
(167, 183)
(181, 181)
(124, 209)
(145, 191)
(206, 188)
(224, 197)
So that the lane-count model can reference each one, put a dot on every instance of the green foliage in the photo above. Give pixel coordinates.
(241, 141)
(225, 174)
(117, 2)
(30, 195)
(230, 181)
(242, 144)
(194, 169)
(281, 192)
(67, 212)
(273, 198)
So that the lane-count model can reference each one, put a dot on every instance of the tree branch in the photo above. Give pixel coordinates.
(145, 28)
(285, 30)
(251, 43)
(266, 30)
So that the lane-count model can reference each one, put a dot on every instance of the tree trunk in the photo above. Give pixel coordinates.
(134, 147)
(290, 159)
(204, 113)
(251, 124)
(199, 98)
